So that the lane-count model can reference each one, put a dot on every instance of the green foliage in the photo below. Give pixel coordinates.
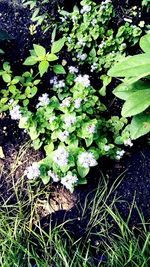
(19, 89)
(90, 37)
(62, 127)
(39, 55)
(134, 90)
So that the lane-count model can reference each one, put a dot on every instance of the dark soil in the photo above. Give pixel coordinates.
(136, 164)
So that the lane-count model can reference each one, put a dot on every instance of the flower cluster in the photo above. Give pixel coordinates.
(15, 113)
(86, 159)
(43, 100)
(33, 171)
(84, 80)
(120, 154)
(53, 176)
(61, 157)
(69, 181)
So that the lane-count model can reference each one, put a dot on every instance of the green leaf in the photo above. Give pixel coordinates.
(32, 60)
(33, 133)
(140, 125)
(43, 67)
(136, 103)
(49, 148)
(45, 179)
(57, 46)
(59, 69)
(6, 66)
(53, 34)
(145, 43)
(83, 171)
(2, 52)
(39, 50)
(6, 77)
(131, 66)
(12, 89)
(25, 102)
(51, 57)
(123, 91)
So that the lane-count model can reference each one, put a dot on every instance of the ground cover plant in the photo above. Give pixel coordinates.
(65, 72)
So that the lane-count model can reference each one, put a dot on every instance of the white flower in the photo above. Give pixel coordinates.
(69, 39)
(74, 18)
(54, 80)
(128, 20)
(69, 180)
(82, 56)
(81, 42)
(77, 102)
(128, 142)
(84, 80)
(93, 22)
(119, 154)
(32, 171)
(85, 9)
(51, 119)
(63, 136)
(11, 101)
(141, 23)
(107, 1)
(86, 159)
(73, 69)
(53, 176)
(94, 66)
(66, 102)
(91, 129)
(102, 44)
(60, 84)
(15, 113)
(43, 100)
(61, 156)
(69, 120)
(106, 148)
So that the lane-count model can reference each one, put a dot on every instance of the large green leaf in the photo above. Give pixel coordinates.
(132, 66)
(124, 91)
(59, 69)
(140, 125)
(39, 50)
(43, 67)
(32, 60)
(57, 46)
(136, 103)
(145, 43)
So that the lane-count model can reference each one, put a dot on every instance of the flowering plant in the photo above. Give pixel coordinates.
(73, 130)
(90, 37)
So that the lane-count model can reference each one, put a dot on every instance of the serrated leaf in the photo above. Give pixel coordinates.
(39, 50)
(51, 57)
(32, 60)
(136, 103)
(57, 45)
(43, 67)
(59, 69)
